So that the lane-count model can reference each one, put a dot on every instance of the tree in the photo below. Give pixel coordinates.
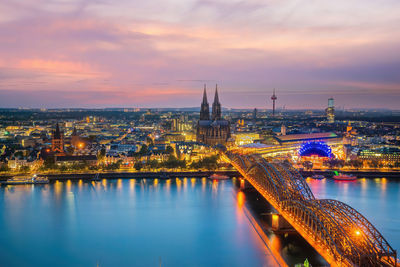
(63, 168)
(143, 150)
(24, 169)
(49, 163)
(138, 165)
(356, 163)
(152, 164)
(149, 141)
(172, 163)
(169, 150)
(101, 154)
(374, 163)
(209, 163)
(308, 165)
(4, 168)
(19, 154)
(335, 163)
(396, 164)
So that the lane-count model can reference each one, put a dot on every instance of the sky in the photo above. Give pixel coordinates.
(160, 53)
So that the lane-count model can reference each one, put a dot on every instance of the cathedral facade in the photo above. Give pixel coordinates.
(212, 130)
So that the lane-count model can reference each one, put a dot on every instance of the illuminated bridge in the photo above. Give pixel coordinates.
(338, 232)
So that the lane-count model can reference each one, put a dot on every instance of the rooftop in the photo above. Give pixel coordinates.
(305, 137)
(76, 158)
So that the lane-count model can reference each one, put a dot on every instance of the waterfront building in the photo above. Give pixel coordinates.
(317, 147)
(383, 154)
(70, 160)
(212, 131)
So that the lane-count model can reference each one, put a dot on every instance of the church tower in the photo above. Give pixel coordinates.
(205, 108)
(216, 107)
(57, 142)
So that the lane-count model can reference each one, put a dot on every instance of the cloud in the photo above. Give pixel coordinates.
(127, 48)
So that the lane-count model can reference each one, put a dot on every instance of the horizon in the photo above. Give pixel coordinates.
(197, 108)
(90, 54)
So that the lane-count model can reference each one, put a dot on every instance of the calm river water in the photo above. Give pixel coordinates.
(144, 222)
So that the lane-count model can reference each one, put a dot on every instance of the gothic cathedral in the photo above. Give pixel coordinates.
(212, 131)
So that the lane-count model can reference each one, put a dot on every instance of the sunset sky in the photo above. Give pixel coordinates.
(159, 53)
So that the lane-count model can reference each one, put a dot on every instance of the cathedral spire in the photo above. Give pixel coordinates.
(216, 98)
(205, 108)
(216, 107)
(205, 95)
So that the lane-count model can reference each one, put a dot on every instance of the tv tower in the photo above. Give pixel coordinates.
(273, 98)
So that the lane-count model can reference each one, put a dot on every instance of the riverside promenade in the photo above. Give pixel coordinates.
(138, 175)
(369, 174)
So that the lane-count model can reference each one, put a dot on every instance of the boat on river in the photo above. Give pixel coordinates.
(21, 180)
(216, 176)
(344, 177)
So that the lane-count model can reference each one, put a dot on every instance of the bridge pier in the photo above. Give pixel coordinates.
(245, 185)
(279, 224)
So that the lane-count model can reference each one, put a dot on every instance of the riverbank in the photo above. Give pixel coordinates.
(130, 175)
(369, 174)
(91, 175)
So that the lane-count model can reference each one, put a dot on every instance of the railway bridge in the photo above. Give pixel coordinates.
(338, 232)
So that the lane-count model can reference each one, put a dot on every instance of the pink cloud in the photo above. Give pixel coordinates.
(142, 57)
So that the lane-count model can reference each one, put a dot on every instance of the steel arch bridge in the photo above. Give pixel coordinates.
(338, 232)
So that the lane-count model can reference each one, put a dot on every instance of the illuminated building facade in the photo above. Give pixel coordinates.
(384, 154)
(290, 146)
(320, 149)
(243, 138)
(76, 141)
(212, 131)
(180, 125)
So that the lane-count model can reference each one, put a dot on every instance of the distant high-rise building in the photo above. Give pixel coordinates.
(57, 142)
(273, 98)
(330, 111)
(254, 115)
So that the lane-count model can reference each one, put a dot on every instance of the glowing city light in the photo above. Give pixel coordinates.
(315, 148)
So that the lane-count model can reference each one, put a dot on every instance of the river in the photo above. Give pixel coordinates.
(146, 222)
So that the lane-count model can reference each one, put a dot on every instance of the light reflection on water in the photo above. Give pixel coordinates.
(377, 199)
(184, 222)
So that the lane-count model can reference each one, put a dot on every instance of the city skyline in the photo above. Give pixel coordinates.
(132, 54)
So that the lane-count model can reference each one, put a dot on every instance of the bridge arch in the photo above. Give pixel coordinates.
(371, 242)
(258, 172)
(340, 233)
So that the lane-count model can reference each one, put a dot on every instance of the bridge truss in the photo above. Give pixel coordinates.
(338, 232)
